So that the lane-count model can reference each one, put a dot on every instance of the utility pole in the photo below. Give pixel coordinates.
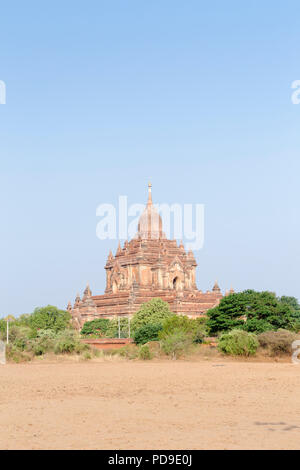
(7, 328)
(128, 327)
(119, 327)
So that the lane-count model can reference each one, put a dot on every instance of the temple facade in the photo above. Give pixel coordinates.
(148, 266)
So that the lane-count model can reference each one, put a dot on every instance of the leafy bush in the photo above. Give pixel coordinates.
(96, 327)
(50, 318)
(67, 342)
(277, 342)
(44, 342)
(195, 327)
(147, 333)
(19, 336)
(176, 343)
(153, 312)
(27, 339)
(144, 352)
(238, 343)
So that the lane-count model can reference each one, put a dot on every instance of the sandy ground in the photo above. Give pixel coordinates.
(150, 405)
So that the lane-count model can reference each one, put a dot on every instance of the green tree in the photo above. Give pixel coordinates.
(50, 318)
(293, 303)
(23, 320)
(147, 333)
(154, 311)
(251, 311)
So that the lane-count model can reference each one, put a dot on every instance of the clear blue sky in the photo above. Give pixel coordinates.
(104, 95)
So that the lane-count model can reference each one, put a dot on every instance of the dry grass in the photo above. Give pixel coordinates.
(201, 352)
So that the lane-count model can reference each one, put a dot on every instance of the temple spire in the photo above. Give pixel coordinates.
(149, 203)
(119, 250)
(216, 287)
(87, 291)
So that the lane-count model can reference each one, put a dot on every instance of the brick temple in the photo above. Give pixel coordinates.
(148, 266)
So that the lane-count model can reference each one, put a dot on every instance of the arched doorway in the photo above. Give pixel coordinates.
(176, 283)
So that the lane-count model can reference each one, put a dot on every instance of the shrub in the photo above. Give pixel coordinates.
(195, 327)
(19, 336)
(152, 312)
(147, 333)
(44, 342)
(96, 352)
(277, 342)
(67, 342)
(50, 318)
(130, 351)
(37, 348)
(96, 327)
(176, 343)
(87, 356)
(155, 348)
(144, 352)
(81, 347)
(14, 354)
(238, 343)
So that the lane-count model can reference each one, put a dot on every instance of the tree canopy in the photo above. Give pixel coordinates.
(50, 318)
(155, 311)
(254, 312)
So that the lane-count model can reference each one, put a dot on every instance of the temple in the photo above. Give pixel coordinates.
(148, 266)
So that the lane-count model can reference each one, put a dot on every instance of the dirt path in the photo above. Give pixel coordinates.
(150, 405)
